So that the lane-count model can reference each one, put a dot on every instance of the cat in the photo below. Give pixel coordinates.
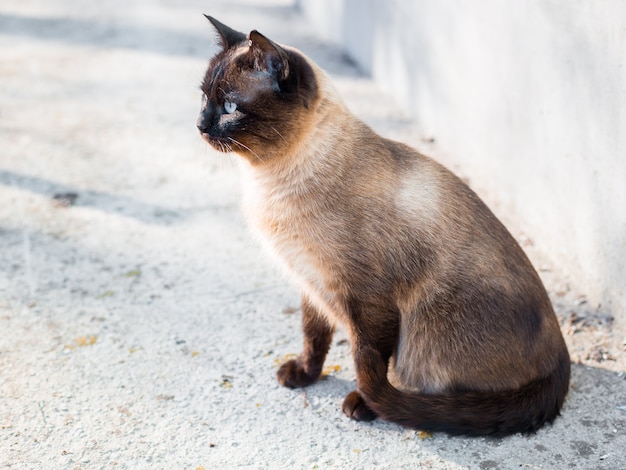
(450, 326)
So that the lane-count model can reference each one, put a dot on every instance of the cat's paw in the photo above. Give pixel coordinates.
(292, 375)
(354, 407)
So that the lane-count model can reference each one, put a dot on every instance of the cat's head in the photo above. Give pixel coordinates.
(257, 96)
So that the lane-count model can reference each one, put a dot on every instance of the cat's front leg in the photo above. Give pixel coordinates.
(318, 335)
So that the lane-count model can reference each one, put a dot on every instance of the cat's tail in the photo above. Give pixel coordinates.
(475, 413)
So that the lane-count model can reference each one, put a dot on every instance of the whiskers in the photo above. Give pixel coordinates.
(217, 144)
(228, 144)
(279, 134)
(236, 142)
(223, 146)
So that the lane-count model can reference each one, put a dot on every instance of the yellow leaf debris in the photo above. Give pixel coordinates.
(330, 369)
(133, 273)
(226, 382)
(82, 341)
(287, 357)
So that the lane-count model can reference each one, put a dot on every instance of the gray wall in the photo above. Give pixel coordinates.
(528, 97)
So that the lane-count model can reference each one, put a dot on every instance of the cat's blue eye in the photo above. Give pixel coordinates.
(230, 107)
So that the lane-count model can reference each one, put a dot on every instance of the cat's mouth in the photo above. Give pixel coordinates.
(222, 144)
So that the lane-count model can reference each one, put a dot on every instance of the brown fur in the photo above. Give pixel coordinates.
(451, 328)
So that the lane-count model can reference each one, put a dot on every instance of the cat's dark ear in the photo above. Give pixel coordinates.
(228, 36)
(269, 56)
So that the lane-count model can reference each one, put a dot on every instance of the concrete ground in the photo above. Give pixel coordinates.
(140, 327)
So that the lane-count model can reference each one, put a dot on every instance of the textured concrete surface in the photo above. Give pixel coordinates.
(140, 327)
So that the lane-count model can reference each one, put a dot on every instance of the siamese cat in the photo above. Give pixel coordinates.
(451, 328)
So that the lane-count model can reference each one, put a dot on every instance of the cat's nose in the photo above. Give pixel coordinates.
(203, 123)
(206, 118)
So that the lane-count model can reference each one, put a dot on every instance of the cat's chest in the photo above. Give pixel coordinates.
(290, 225)
(294, 229)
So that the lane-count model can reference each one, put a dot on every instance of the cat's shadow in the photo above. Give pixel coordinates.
(325, 398)
(593, 419)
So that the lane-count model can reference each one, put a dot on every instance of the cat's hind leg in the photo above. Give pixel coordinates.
(378, 331)
(307, 368)
(470, 412)
(354, 407)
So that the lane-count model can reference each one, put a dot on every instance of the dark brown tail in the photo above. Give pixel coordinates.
(473, 413)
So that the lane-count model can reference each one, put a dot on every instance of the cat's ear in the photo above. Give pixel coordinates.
(228, 36)
(269, 56)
